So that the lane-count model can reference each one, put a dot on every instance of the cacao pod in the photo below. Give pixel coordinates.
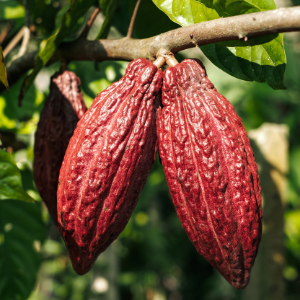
(210, 169)
(63, 109)
(107, 163)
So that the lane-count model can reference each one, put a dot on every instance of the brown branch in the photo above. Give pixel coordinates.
(88, 25)
(23, 33)
(224, 29)
(5, 32)
(24, 45)
(132, 21)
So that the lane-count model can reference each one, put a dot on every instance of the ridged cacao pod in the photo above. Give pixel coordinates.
(63, 109)
(107, 163)
(210, 169)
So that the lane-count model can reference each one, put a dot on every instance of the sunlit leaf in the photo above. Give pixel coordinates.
(11, 10)
(93, 82)
(295, 166)
(20, 119)
(260, 59)
(10, 179)
(3, 74)
(292, 231)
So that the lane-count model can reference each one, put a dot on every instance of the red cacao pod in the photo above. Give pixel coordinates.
(107, 163)
(63, 109)
(211, 172)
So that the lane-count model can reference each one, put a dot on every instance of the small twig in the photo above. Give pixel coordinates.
(24, 45)
(23, 33)
(5, 32)
(160, 61)
(88, 25)
(131, 25)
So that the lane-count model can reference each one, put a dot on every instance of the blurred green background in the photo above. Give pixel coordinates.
(152, 259)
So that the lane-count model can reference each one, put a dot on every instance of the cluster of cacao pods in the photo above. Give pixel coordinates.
(204, 148)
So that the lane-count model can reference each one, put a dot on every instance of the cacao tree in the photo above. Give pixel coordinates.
(115, 191)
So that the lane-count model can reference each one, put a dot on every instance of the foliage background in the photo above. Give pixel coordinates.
(152, 258)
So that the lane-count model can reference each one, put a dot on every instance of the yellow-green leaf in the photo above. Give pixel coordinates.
(3, 74)
(10, 179)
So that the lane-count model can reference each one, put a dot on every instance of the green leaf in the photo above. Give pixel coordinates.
(22, 232)
(92, 81)
(144, 26)
(104, 5)
(11, 10)
(292, 231)
(10, 180)
(294, 174)
(108, 7)
(22, 119)
(43, 14)
(77, 9)
(3, 74)
(260, 59)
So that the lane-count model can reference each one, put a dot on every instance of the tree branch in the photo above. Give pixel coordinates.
(25, 42)
(24, 32)
(5, 32)
(224, 29)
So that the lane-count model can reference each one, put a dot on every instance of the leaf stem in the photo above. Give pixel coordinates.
(165, 56)
(5, 32)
